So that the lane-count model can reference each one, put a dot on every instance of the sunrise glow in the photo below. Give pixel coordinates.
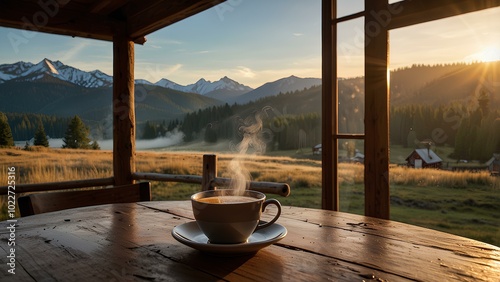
(489, 54)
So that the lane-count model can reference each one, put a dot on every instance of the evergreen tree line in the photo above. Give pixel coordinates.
(211, 124)
(474, 134)
(284, 132)
(292, 132)
(454, 64)
(473, 131)
(478, 136)
(6, 139)
(24, 125)
(76, 135)
(152, 130)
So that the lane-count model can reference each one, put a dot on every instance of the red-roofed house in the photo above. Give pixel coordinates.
(424, 158)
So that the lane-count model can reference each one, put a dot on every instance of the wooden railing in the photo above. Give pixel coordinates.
(208, 181)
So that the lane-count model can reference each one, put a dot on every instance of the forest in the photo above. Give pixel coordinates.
(23, 125)
(473, 132)
(473, 129)
(279, 131)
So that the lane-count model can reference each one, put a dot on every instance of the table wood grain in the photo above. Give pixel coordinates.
(133, 242)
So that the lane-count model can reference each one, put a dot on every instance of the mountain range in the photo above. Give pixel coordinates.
(25, 71)
(225, 89)
(52, 88)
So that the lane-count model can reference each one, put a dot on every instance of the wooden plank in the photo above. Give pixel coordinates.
(105, 249)
(100, 19)
(329, 108)
(141, 238)
(209, 172)
(381, 245)
(31, 16)
(162, 13)
(406, 13)
(46, 202)
(277, 188)
(167, 177)
(377, 200)
(63, 185)
(105, 7)
(123, 109)
(126, 241)
(394, 247)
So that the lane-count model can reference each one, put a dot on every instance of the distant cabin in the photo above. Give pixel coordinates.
(317, 149)
(494, 165)
(424, 158)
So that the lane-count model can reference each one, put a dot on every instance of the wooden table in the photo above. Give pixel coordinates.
(124, 242)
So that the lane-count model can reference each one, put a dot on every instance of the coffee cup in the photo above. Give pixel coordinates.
(226, 217)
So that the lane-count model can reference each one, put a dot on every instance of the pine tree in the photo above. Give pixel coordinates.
(95, 145)
(40, 136)
(76, 135)
(149, 131)
(5, 132)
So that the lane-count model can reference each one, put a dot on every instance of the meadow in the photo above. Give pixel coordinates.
(462, 203)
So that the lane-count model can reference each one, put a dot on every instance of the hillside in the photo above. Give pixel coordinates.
(417, 85)
(287, 84)
(52, 96)
(442, 84)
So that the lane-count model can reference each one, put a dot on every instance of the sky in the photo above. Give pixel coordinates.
(259, 41)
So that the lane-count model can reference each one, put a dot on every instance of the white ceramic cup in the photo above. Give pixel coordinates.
(226, 219)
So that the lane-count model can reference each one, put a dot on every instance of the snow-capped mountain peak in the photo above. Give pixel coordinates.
(22, 71)
(50, 67)
(37, 71)
(170, 84)
(203, 86)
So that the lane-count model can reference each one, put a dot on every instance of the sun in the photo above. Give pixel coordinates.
(489, 54)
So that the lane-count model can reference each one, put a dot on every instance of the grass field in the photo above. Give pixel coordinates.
(462, 203)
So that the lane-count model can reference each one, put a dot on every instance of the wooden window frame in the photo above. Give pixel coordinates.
(376, 133)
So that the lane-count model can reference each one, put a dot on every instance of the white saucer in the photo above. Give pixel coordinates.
(190, 234)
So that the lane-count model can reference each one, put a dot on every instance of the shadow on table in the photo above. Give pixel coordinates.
(262, 264)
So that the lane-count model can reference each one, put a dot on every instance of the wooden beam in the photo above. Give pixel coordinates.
(123, 110)
(376, 112)
(330, 189)
(63, 185)
(162, 13)
(56, 20)
(209, 172)
(105, 7)
(410, 12)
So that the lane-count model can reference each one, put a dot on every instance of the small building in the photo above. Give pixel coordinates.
(494, 165)
(424, 158)
(358, 158)
(316, 150)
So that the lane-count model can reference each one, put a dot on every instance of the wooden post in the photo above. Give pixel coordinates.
(377, 111)
(209, 172)
(123, 110)
(330, 190)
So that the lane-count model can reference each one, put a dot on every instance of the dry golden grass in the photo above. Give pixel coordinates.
(434, 177)
(49, 165)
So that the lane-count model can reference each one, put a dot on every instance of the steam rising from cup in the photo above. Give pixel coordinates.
(250, 129)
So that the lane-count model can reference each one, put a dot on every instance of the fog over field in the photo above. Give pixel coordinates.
(170, 139)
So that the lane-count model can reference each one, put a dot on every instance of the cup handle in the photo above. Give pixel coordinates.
(268, 202)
